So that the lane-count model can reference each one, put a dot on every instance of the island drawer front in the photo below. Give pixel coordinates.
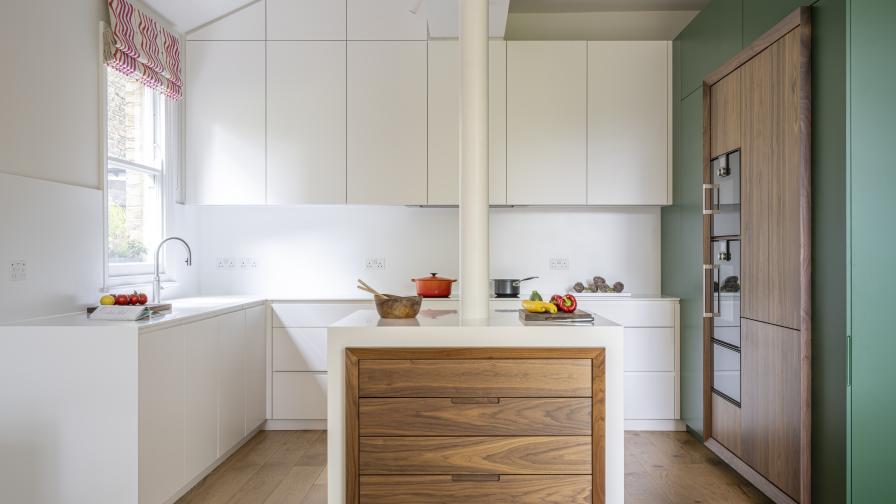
(314, 314)
(300, 349)
(476, 455)
(475, 378)
(519, 489)
(475, 417)
(634, 313)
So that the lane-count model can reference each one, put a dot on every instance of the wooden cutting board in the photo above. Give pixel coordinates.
(154, 308)
(576, 316)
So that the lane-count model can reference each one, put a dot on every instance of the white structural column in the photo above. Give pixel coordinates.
(474, 260)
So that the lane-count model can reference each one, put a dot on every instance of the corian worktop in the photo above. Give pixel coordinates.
(182, 311)
(443, 328)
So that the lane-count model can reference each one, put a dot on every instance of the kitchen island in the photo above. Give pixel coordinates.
(434, 407)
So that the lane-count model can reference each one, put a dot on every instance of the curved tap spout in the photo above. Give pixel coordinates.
(156, 280)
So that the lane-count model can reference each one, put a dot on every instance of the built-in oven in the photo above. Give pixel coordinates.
(725, 315)
(721, 198)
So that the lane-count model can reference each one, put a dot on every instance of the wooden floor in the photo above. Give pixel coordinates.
(290, 466)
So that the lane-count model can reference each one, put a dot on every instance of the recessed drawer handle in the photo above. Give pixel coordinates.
(475, 477)
(475, 400)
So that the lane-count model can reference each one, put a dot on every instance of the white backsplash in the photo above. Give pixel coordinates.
(319, 251)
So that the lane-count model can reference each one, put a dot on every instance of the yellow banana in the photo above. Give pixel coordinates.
(539, 307)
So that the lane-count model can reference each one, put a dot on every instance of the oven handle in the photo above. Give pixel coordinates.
(710, 268)
(713, 208)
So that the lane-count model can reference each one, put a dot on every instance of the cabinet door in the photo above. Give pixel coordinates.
(255, 366)
(725, 113)
(201, 385)
(770, 403)
(306, 123)
(305, 20)
(300, 396)
(387, 123)
(629, 123)
(770, 185)
(444, 119)
(225, 125)
(231, 382)
(161, 413)
(383, 20)
(546, 123)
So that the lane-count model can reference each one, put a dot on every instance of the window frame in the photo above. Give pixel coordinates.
(130, 274)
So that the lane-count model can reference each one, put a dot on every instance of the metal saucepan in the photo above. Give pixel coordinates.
(509, 287)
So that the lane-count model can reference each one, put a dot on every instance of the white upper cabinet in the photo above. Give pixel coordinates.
(546, 123)
(246, 23)
(444, 117)
(225, 122)
(306, 123)
(629, 123)
(387, 123)
(306, 20)
(384, 20)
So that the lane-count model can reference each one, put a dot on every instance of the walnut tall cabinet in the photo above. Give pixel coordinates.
(757, 260)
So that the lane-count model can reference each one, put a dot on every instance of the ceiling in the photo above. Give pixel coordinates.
(560, 6)
(188, 14)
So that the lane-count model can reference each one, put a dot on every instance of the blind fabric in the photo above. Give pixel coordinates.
(138, 46)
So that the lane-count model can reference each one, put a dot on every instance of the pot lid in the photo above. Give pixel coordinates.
(433, 277)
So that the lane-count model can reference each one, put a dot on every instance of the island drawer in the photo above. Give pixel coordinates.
(463, 489)
(476, 416)
(476, 455)
(474, 378)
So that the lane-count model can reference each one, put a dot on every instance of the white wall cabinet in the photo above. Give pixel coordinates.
(444, 119)
(384, 20)
(629, 123)
(306, 123)
(225, 122)
(387, 123)
(546, 123)
(305, 20)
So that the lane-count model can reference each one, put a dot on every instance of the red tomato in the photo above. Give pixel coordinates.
(141, 298)
(121, 299)
(133, 299)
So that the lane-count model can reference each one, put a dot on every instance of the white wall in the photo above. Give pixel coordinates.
(603, 25)
(319, 252)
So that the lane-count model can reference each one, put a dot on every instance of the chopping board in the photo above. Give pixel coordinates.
(154, 308)
(579, 316)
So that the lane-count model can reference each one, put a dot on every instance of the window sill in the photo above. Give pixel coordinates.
(122, 282)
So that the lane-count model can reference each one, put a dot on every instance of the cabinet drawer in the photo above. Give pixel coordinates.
(475, 378)
(477, 455)
(475, 417)
(300, 396)
(635, 313)
(519, 489)
(649, 349)
(649, 396)
(314, 314)
(300, 349)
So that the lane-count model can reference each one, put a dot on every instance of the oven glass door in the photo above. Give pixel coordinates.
(726, 291)
(726, 371)
(726, 176)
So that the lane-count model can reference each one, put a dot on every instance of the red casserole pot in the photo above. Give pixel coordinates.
(433, 286)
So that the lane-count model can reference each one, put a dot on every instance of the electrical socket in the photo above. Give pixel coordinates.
(248, 263)
(221, 263)
(18, 271)
(559, 263)
(375, 263)
(226, 263)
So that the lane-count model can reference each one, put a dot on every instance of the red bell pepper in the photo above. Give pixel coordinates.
(566, 304)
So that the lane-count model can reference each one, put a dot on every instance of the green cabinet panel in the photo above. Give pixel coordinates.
(829, 252)
(872, 186)
(708, 41)
(760, 15)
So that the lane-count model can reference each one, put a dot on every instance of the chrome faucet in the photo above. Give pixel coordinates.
(156, 280)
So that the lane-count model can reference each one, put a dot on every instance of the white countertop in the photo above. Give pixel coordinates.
(633, 297)
(182, 311)
(367, 319)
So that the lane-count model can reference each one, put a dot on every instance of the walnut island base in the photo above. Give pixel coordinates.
(436, 409)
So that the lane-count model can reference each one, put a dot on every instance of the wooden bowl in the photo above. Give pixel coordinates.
(397, 307)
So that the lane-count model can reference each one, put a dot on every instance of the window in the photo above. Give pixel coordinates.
(134, 175)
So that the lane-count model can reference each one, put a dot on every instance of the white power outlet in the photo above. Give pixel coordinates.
(226, 263)
(375, 263)
(559, 263)
(18, 271)
(248, 263)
